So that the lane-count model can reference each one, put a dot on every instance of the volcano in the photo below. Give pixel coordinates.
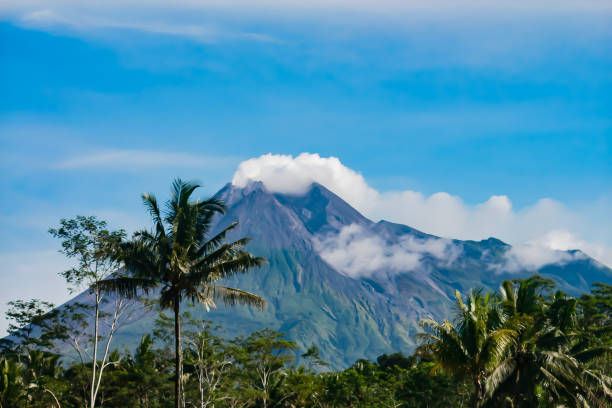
(353, 287)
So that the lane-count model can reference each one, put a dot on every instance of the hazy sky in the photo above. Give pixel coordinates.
(504, 107)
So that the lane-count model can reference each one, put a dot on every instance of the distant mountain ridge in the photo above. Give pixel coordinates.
(354, 287)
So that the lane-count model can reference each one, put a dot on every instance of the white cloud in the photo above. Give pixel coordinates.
(562, 240)
(47, 17)
(532, 257)
(122, 159)
(81, 21)
(543, 223)
(284, 173)
(192, 18)
(510, 35)
(381, 7)
(357, 253)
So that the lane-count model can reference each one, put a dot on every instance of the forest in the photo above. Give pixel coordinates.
(526, 344)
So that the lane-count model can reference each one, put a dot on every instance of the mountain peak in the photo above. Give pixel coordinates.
(321, 210)
(231, 194)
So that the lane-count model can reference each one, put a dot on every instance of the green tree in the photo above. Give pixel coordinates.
(417, 387)
(12, 386)
(43, 379)
(473, 346)
(263, 358)
(88, 241)
(32, 324)
(182, 258)
(595, 324)
(548, 359)
(146, 372)
(312, 357)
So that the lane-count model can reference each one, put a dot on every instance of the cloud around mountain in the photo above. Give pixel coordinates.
(532, 257)
(357, 253)
(546, 227)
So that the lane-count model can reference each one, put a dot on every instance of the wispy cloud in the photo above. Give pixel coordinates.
(357, 252)
(135, 159)
(194, 19)
(531, 257)
(77, 20)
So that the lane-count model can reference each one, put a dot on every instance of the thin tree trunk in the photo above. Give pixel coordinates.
(478, 392)
(178, 352)
(54, 397)
(92, 397)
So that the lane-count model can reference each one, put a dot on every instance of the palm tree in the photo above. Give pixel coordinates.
(12, 387)
(42, 374)
(548, 357)
(472, 347)
(182, 258)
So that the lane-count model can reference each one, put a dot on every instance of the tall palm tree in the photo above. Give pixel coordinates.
(472, 347)
(181, 257)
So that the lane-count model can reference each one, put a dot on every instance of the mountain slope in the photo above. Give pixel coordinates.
(353, 287)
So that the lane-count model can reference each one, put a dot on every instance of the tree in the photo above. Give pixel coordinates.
(181, 257)
(208, 358)
(549, 357)
(147, 371)
(263, 357)
(42, 377)
(32, 324)
(595, 324)
(92, 245)
(472, 347)
(12, 387)
(313, 358)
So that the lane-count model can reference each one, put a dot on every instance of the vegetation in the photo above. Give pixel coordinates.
(86, 240)
(181, 257)
(527, 345)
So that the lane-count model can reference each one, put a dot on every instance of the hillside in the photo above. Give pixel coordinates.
(354, 287)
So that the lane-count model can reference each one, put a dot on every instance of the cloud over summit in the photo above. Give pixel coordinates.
(546, 224)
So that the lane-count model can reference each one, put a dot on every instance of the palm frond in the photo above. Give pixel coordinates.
(126, 286)
(206, 210)
(214, 242)
(592, 353)
(428, 323)
(496, 345)
(150, 201)
(501, 374)
(239, 264)
(233, 296)
(223, 253)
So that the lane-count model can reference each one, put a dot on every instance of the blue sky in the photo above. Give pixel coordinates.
(100, 103)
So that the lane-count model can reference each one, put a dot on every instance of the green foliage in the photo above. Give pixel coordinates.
(473, 346)
(87, 326)
(527, 346)
(89, 242)
(524, 346)
(556, 356)
(264, 355)
(181, 257)
(32, 324)
(12, 384)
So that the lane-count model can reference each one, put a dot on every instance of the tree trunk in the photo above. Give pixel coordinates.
(178, 385)
(92, 394)
(478, 392)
